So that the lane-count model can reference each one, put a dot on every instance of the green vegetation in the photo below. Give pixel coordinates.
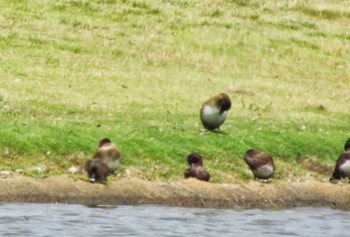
(137, 71)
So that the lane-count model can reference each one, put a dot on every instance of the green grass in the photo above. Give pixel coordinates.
(73, 72)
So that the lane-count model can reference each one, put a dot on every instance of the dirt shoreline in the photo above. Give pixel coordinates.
(186, 193)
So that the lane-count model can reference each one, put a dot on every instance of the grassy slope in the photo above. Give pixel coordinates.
(138, 71)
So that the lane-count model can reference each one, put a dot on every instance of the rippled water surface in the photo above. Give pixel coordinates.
(77, 220)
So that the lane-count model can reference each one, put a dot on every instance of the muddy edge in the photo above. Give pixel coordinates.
(186, 193)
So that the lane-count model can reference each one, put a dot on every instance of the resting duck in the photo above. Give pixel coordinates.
(196, 168)
(342, 167)
(97, 170)
(261, 164)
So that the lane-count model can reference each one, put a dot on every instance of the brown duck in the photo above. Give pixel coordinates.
(108, 153)
(196, 168)
(261, 164)
(214, 111)
(97, 170)
(342, 167)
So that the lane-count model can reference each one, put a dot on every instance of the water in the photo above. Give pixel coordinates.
(76, 220)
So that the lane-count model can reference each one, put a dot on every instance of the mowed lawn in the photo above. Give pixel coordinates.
(73, 72)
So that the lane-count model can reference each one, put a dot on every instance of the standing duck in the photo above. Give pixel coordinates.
(214, 111)
(108, 153)
(261, 164)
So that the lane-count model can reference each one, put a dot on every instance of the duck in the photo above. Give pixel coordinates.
(97, 170)
(261, 164)
(196, 170)
(214, 111)
(342, 167)
(108, 153)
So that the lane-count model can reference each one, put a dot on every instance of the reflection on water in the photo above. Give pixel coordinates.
(77, 220)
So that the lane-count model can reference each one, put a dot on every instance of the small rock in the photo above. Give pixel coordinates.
(19, 171)
(302, 128)
(38, 169)
(6, 174)
(73, 170)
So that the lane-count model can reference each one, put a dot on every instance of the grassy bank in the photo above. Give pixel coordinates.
(73, 72)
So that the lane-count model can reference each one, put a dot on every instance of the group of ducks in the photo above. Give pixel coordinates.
(105, 161)
(260, 164)
(213, 114)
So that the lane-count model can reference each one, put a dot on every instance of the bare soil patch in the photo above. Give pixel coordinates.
(188, 193)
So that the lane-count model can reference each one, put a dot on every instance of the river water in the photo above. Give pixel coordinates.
(77, 220)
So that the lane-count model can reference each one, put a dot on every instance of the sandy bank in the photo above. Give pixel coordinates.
(190, 193)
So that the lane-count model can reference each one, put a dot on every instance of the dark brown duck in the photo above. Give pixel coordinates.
(261, 164)
(97, 170)
(196, 168)
(342, 166)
